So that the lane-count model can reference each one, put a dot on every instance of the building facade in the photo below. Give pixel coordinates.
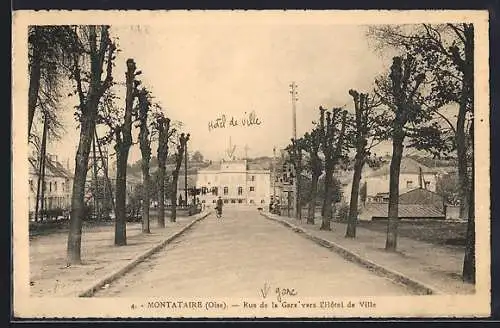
(57, 186)
(412, 175)
(236, 182)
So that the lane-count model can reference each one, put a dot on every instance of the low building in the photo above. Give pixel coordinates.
(57, 186)
(412, 175)
(416, 203)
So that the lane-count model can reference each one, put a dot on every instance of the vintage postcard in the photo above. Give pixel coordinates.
(242, 164)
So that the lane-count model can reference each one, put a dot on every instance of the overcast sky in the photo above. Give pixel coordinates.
(199, 72)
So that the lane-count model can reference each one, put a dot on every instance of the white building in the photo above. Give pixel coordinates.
(412, 175)
(57, 186)
(236, 182)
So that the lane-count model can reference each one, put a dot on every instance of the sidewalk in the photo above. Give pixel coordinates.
(50, 277)
(436, 266)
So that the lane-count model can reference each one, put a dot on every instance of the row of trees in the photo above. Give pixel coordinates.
(432, 74)
(86, 55)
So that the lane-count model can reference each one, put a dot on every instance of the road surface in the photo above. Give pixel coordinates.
(240, 254)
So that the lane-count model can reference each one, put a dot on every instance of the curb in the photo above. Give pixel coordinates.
(418, 286)
(90, 291)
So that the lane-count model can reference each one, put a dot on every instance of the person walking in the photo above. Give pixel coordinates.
(218, 207)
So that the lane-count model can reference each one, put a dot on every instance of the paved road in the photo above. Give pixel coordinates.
(235, 257)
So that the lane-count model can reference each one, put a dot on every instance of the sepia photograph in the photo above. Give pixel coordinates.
(250, 164)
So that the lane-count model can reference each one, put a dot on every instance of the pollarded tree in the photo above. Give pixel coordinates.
(367, 130)
(315, 166)
(119, 121)
(145, 146)
(412, 119)
(332, 128)
(181, 146)
(295, 149)
(162, 125)
(95, 51)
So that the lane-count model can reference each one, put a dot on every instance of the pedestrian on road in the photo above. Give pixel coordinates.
(218, 207)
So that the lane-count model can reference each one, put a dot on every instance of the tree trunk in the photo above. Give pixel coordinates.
(121, 196)
(77, 199)
(327, 204)
(312, 204)
(393, 218)
(161, 196)
(173, 199)
(469, 268)
(353, 205)
(34, 84)
(145, 196)
(463, 180)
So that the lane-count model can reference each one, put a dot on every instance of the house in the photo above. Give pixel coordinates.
(412, 175)
(415, 203)
(57, 185)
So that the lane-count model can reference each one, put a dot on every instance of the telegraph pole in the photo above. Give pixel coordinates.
(294, 95)
(185, 174)
(274, 174)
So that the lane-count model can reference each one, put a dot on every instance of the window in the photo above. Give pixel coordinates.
(240, 201)
(252, 188)
(215, 191)
(214, 201)
(252, 178)
(226, 201)
(262, 201)
(409, 184)
(55, 186)
(63, 187)
(226, 190)
(233, 201)
(252, 201)
(240, 190)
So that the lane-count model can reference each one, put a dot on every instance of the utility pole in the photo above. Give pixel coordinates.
(294, 95)
(185, 174)
(41, 173)
(274, 174)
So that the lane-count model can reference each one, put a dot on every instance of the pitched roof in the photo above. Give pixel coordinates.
(408, 166)
(405, 211)
(52, 168)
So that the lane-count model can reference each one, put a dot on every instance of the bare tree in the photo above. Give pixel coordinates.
(164, 136)
(145, 145)
(447, 53)
(332, 127)
(295, 149)
(367, 131)
(98, 53)
(181, 146)
(412, 118)
(315, 166)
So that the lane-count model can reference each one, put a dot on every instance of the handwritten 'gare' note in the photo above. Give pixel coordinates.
(225, 121)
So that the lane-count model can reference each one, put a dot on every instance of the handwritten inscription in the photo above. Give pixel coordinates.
(280, 292)
(225, 121)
